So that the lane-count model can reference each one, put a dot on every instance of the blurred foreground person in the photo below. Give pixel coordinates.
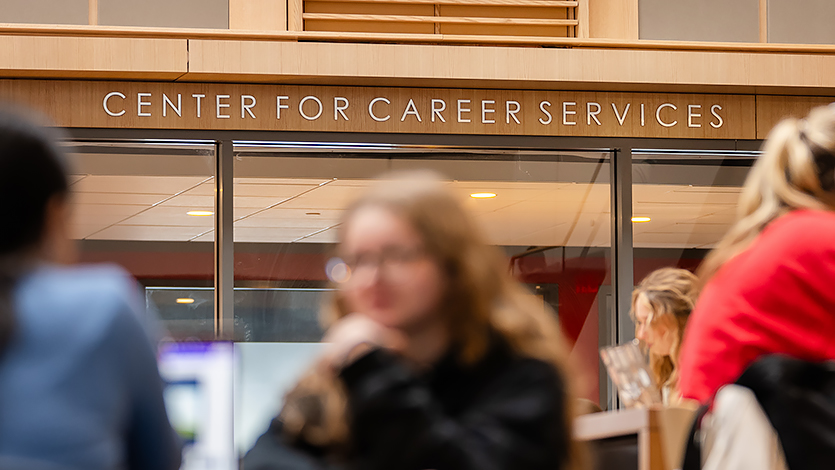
(436, 359)
(661, 305)
(765, 319)
(770, 282)
(79, 386)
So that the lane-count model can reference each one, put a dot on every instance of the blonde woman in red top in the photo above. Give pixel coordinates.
(770, 282)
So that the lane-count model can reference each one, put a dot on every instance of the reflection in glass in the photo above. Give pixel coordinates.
(690, 198)
(187, 313)
(549, 211)
(131, 202)
(292, 318)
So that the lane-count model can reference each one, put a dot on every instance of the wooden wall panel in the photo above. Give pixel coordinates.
(509, 67)
(504, 12)
(258, 15)
(763, 27)
(155, 105)
(295, 11)
(499, 30)
(613, 19)
(319, 6)
(93, 12)
(407, 110)
(508, 18)
(32, 56)
(582, 14)
(369, 27)
(771, 109)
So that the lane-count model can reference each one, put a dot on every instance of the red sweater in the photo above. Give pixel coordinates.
(778, 296)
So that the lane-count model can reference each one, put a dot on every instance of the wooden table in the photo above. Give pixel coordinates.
(660, 434)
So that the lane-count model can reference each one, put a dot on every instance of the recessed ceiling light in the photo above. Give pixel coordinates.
(638, 220)
(482, 195)
(185, 300)
(200, 213)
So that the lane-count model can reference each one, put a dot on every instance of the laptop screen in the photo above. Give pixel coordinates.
(199, 400)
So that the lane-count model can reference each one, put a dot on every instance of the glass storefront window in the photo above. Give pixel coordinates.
(148, 206)
(684, 201)
(551, 216)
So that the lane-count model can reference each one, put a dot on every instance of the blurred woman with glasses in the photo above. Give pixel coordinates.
(436, 358)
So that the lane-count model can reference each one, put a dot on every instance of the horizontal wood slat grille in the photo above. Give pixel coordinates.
(498, 18)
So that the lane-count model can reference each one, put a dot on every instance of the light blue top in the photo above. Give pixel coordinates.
(79, 384)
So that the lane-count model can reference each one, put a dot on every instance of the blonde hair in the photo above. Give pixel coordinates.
(795, 171)
(481, 298)
(670, 294)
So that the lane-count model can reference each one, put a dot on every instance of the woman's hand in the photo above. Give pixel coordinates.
(354, 335)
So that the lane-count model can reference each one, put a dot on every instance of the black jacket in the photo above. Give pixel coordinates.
(505, 412)
(798, 397)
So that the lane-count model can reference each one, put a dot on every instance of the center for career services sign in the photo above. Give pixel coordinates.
(395, 110)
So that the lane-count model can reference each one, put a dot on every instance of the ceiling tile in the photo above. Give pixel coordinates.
(147, 233)
(165, 185)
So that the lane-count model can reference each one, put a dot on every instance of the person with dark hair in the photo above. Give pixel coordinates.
(79, 385)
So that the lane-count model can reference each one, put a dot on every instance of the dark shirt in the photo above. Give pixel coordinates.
(504, 412)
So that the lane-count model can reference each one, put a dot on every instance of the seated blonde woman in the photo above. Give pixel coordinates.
(661, 305)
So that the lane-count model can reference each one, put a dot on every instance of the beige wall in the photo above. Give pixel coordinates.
(801, 21)
(243, 57)
(96, 58)
(786, 22)
(700, 20)
(613, 19)
(258, 15)
(44, 11)
(509, 67)
(165, 13)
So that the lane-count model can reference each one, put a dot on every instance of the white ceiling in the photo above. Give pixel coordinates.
(682, 216)
(278, 210)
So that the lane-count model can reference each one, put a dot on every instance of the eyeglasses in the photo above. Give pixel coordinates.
(392, 261)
